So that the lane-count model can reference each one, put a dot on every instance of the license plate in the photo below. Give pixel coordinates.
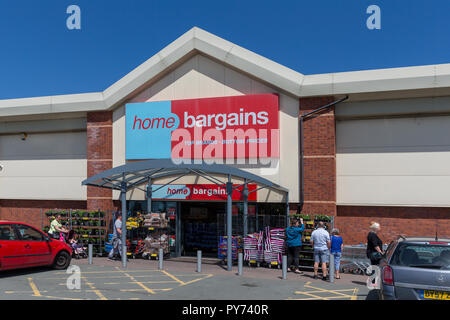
(274, 263)
(436, 295)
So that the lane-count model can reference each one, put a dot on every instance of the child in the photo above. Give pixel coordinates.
(77, 248)
(337, 245)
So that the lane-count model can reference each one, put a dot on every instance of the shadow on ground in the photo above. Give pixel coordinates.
(373, 295)
(23, 272)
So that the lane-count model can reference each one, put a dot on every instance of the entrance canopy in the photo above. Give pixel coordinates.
(136, 174)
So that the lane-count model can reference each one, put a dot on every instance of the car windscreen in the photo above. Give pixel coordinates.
(431, 256)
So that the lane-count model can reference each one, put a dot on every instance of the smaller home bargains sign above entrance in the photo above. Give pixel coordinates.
(200, 192)
(238, 127)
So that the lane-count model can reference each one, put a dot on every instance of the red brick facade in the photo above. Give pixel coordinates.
(353, 222)
(99, 157)
(33, 211)
(319, 157)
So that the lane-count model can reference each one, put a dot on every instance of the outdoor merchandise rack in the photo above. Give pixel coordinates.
(236, 246)
(306, 255)
(146, 234)
(90, 226)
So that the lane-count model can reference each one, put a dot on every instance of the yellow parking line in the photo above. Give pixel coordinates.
(173, 277)
(354, 296)
(336, 292)
(138, 283)
(95, 290)
(306, 293)
(34, 288)
(13, 292)
(206, 277)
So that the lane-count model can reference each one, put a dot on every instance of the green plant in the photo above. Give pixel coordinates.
(322, 218)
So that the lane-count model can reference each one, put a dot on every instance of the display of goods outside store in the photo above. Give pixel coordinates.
(155, 220)
(152, 244)
(146, 235)
(236, 247)
(89, 226)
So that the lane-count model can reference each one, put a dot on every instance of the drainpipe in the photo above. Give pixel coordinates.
(302, 118)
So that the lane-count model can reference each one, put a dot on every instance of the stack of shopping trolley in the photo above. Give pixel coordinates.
(254, 248)
(274, 246)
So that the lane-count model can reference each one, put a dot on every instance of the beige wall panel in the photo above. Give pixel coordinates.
(397, 161)
(44, 166)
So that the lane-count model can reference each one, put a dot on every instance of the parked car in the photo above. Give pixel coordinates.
(416, 269)
(23, 246)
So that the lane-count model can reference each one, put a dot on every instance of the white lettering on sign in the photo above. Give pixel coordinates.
(223, 120)
(177, 191)
(209, 192)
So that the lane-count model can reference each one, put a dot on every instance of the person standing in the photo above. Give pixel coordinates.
(337, 245)
(320, 240)
(116, 240)
(56, 228)
(294, 243)
(374, 244)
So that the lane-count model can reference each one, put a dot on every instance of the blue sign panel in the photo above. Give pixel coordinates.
(148, 128)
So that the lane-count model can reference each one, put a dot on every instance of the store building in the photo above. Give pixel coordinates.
(380, 155)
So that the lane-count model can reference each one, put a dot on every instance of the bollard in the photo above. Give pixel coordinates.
(240, 263)
(284, 267)
(331, 275)
(199, 260)
(161, 257)
(90, 253)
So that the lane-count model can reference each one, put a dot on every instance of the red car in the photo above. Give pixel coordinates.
(23, 246)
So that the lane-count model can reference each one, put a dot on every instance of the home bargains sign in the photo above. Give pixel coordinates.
(199, 192)
(211, 128)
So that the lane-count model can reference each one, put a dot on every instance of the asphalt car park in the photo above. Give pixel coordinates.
(143, 281)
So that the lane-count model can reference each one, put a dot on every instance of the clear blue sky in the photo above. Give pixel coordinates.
(39, 56)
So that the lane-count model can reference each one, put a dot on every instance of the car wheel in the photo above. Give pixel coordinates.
(62, 261)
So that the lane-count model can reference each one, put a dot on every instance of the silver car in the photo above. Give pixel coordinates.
(416, 269)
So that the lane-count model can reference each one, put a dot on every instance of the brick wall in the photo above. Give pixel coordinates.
(353, 222)
(319, 157)
(99, 157)
(29, 211)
